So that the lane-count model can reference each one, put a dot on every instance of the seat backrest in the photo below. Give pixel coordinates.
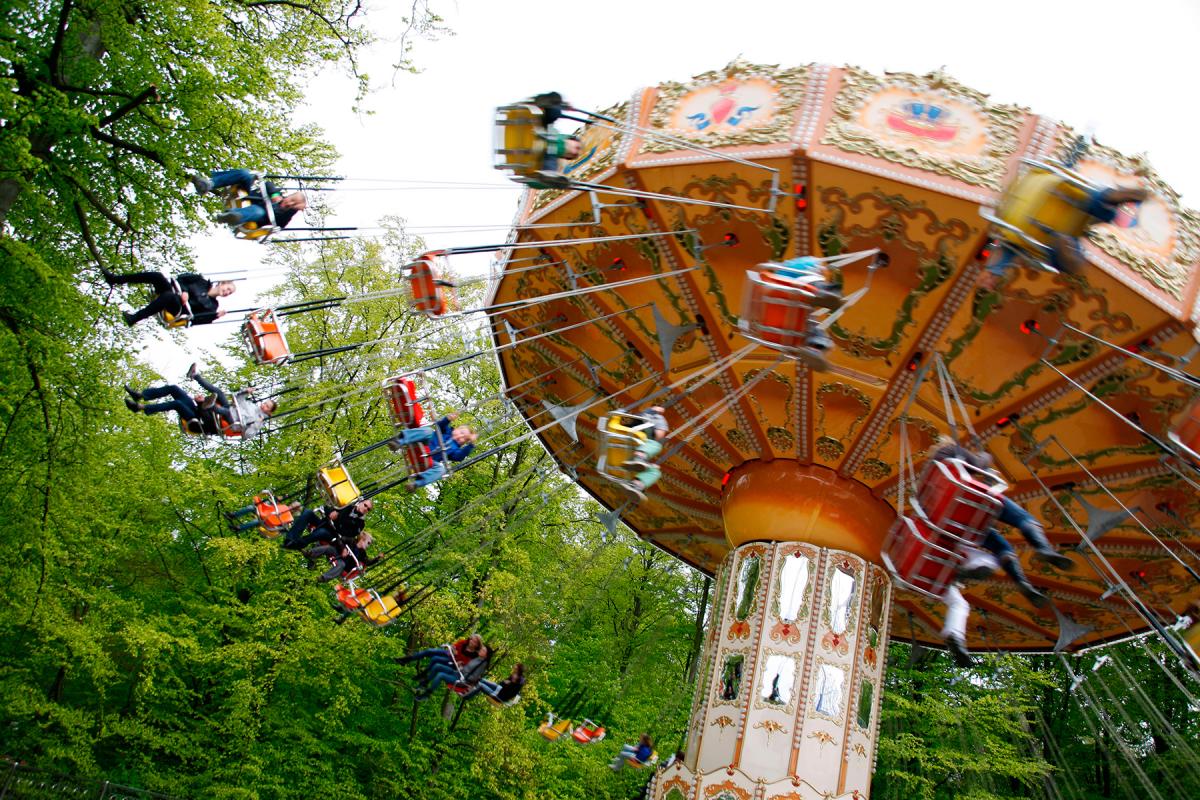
(424, 274)
(1041, 200)
(401, 394)
(915, 554)
(955, 501)
(418, 458)
(775, 309)
(518, 138)
(336, 485)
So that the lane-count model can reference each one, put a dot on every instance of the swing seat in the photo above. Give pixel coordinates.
(173, 321)
(430, 297)
(919, 557)
(350, 597)
(552, 731)
(418, 458)
(263, 334)
(1048, 199)
(776, 311)
(337, 487)
(649, 762)
(1186, 432)
(401, 395)
(519, 143)
(273, 517)
(954, 499)
(620, 436)
(1191, 635)
(235, 198)
(380, 610)
(588, 732)
(502, 703)
(228, 431)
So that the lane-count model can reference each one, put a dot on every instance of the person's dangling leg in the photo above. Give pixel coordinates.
(999, 546)
(180, 402)
(434, 473)
(222, 400)
(167, 301)
(1029, 527)
(300, 525)
(242, 178)
(159, 282)
(954, 631)
(240, 216)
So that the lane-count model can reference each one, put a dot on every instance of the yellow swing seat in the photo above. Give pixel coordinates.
(649, 762)
(620, 436)
(337, 486)
(552, 730)
(173, 321)
(1047, 200)
(519, 139)
(381, 610)
(235, 198)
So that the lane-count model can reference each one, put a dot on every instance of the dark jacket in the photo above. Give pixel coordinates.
(282, 215)
(509, 689)
(204, 308)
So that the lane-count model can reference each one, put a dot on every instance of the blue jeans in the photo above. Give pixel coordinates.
(244, 179)
(438, 674)
(1012, 514)
(295, 537)
(181, 402)
(426, 436)
(222, 178)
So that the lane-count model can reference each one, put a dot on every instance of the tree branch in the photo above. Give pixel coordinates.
(87, 235)
(55, 56)
(151, 93)
(124, 145)
(99, 206)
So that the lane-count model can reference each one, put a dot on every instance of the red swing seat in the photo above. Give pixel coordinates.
(1186, 431)
(263, 334)
(418, 458)
(351, 597)
(776, 310)
(588, 732)
(954, 500)
(424, 275)
(920, 557)
(401, 395)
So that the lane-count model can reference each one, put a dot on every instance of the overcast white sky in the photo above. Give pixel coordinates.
(1126, 70)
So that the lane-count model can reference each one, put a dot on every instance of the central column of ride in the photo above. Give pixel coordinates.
(787, 705)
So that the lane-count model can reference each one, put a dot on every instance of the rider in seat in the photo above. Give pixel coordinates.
(640, 753)
(195, 292)
(444, 442)
(283, 207)
(1063, 250)
(204, 415)
(646, 451)
(254, 511)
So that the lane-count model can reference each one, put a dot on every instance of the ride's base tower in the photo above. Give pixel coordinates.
(787, 705)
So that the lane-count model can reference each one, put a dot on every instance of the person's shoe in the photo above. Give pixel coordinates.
(813, 359)
(634, 491)
(202, 184)
(193, 371)
(1054, 559)
(958, 651)
(1036, 598)
(135, 394)
(410, 485)
(130, 319)
(229, 218)
(133, 405)
(976, 567)
(828, 300)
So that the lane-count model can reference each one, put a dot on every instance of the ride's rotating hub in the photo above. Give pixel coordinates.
(791, 674)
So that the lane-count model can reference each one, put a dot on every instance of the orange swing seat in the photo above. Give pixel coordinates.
(263, 334)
